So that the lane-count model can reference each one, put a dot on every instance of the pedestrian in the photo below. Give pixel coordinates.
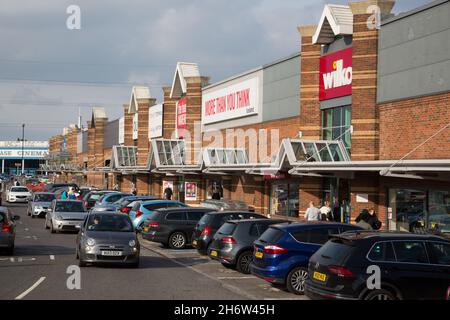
(373, 220)
(168, 192)
(363, 220)
(133, 189)
(312, 213)
(64, 195)
(336, 211)
(216, 193)
(16, 183)
(72, 195)
(326, 212)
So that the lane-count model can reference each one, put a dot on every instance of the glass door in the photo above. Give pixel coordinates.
(407, 209)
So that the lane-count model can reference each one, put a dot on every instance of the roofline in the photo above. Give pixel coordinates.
(413, 11)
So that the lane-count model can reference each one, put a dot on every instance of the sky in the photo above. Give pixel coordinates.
(48, 73)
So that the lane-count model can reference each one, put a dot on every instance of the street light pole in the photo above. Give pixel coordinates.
(23, 141)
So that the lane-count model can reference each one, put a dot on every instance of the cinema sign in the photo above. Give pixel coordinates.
(335, 75)
(234, 101)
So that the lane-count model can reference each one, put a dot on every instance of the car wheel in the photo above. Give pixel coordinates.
(136, 264)
(380, 295)
(243, 262)
(10, 251)
(229, 266)
(177, 240)
(52, 230)
(46, 224)
(295, 281)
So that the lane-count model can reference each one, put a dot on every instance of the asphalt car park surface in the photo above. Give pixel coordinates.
(38, 270)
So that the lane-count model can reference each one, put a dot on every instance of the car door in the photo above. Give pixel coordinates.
(193, 217)
(439, 253)
(177, 221)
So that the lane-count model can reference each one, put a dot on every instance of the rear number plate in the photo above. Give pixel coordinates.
(194, 242)
(112, 253)
(320, 276)
(259, 255)
(213, 253)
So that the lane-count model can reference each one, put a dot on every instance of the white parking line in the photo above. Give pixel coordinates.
(22, 295)
(52, 257)
(235, 278)
(11, 259)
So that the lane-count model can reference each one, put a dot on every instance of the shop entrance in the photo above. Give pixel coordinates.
(214, 189)
(337, 192)
(284, 199)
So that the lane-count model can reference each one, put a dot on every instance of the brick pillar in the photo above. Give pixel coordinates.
(310, 190)
(128, 119)
(169, 110)
(365, 117)
(143, 141)
(194, 114)
(91, 153)
(100, 125)
(310, 123)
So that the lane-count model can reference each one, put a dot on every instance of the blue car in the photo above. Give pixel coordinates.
(142, 210)
(282, 253)
(109, 198)
(124, 204)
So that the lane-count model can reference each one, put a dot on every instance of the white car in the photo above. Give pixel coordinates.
(18, 194)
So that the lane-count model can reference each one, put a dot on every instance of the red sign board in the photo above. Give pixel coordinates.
(335, 75)
(181, 118)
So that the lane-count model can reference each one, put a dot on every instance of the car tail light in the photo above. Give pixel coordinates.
(206, 232)
(5, 227)
(138, 213)
(274, 249)
(86, 204)
(125, 210)
(448, 294)
(153, 224)
(342, 272)
(228, 240)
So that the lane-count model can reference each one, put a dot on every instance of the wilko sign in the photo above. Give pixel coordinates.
(336, 74)
(234, 101)
(181, 123)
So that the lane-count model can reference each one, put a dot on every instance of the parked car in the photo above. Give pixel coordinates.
(173, 227)
(51, 187)
(40, 204)
(109, 198)
(125, 204)
(85, 190)
(18, 194)
(226, 205)
(91, 198)
(7, 230)
(282, 253)
(107, 237)
(209, 224)
(65, 215)
(412, 267)
(143, 210)
(233, 242)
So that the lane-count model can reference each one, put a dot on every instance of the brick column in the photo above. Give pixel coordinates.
(365, 117)
(128, 119)
(100, 125)
(169, 110)
(310, 123)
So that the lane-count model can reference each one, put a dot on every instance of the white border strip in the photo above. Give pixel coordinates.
(34, 286)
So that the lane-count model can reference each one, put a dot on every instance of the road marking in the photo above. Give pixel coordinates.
(22, 295)
(26, 229)
(11, 259)
(52, 257)
(235, 278)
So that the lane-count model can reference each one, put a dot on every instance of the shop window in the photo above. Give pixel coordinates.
(336, 123)
(285, 200)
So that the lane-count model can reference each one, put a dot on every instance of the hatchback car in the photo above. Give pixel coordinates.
(226, 205)
(107, 238)
(7, 230)
(18, 194)
(173, 226)
(233, 242)
(40, 204)
(282, 253)
(143, 210)
(411, 267)
(107, 199)
(65, 215)
(125, 204)
(91, 198)
(208, 225)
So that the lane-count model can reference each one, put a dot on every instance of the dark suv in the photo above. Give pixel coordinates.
(233, 242)
(173, 226)
(208, 225)
(411, 267)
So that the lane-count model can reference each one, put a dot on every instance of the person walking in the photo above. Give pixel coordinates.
(72, 195)
(312, 213)
(215, 193)
(133, 189)
(363, 220)
(326, 212)
(373, 220)
(168, 192)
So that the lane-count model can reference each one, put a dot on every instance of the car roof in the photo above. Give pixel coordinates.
(108, 213)
(67, 200)
(272, 221)
(165, 210)
(50, 193)
(315, 224)
(387, 235)
(224, 213)
(159, 201)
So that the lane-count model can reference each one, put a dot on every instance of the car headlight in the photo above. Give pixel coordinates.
(58, 217)
(132, 243)
(90, 242)
(38, 208)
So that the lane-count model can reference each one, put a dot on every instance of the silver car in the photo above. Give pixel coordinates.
(7, 230)
(107, 237)
(65, 215)
(40, 204)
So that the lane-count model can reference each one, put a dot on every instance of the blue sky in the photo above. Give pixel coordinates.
(122, 43)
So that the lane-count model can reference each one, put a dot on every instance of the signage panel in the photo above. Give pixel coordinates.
(155, 121)
(336, 75)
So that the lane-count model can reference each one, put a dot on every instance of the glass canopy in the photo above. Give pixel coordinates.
(225, 157)
(318, 151)
(171, 152)
(125, 156)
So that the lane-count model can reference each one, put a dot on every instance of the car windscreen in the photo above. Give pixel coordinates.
(123, 202)
(44, 198)
(19, 189)
(205, 220)
(271, 235)
(109, 222)
(335, 251)
(94, 197)
(227, 229)
(69, 206)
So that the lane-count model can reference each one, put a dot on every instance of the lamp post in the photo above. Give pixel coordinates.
(23, 141)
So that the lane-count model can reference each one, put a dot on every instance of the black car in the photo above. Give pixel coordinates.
(411, 267)
(173, 226)
(208, 225)
(91, 198)
(7, 230)
(233, 242)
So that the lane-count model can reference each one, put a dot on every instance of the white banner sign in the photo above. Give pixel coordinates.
(122, 130)
(235, 101)
(135, 126)
(155, 121)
